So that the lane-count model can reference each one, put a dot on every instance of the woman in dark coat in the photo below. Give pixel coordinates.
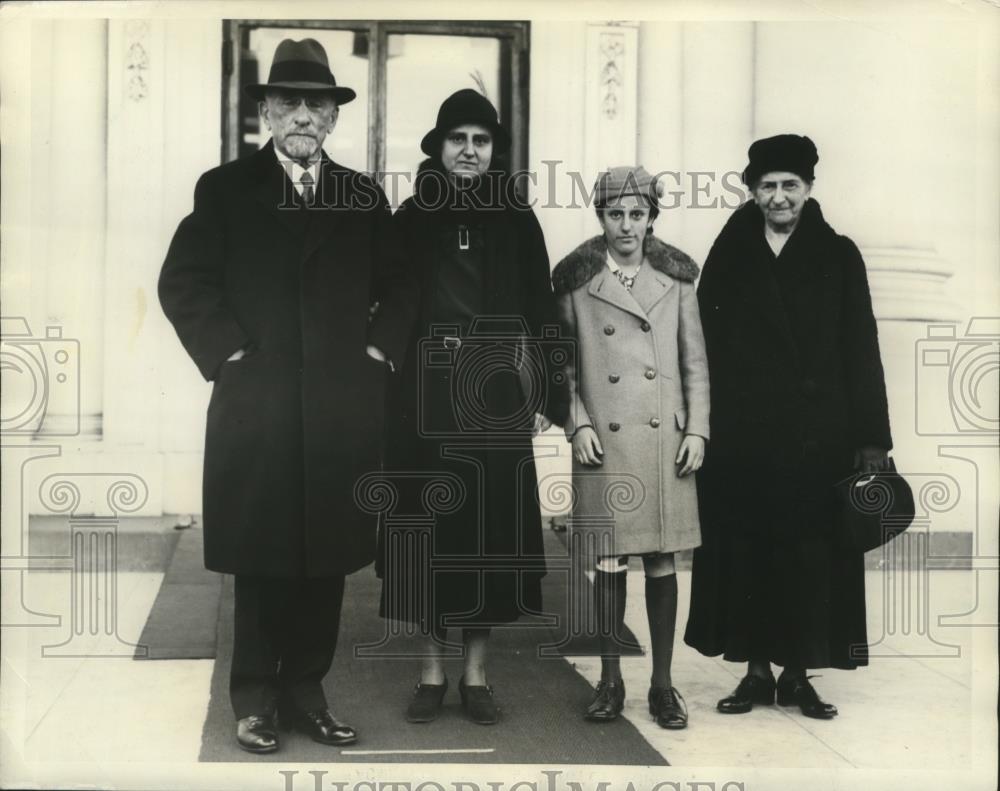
(798, 403)
(472, 382)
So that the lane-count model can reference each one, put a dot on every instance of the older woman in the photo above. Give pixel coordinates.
(798, 401)
(638, 422)
(465, 409)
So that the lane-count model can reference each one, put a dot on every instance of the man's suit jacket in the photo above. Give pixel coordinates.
(292, 425)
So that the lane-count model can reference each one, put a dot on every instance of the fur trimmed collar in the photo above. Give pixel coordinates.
(580, 266)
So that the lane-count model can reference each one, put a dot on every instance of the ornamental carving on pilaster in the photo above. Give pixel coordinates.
(136, 59)
(610, 79)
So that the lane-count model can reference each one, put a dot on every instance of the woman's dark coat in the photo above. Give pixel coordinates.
(797, 388)
(459, 445)
(294, 424)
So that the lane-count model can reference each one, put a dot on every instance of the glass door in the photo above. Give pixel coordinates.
(401, 71)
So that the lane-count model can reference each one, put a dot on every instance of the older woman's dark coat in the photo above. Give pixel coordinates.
(463, 540)
(797, 388)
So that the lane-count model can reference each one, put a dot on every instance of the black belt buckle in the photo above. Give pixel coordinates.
(451, 342)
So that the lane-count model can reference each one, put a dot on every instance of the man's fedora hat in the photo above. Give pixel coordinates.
(302, 66)
(465, 107)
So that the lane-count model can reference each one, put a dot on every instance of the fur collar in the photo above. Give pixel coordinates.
(580, 266)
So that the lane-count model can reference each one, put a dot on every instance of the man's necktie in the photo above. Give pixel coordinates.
(308, 193)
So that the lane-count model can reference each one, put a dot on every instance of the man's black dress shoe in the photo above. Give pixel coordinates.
(797, 691)
(320, 726)
(751, 689)
(608, 702)
(257, 733)
(478, 703)
(426, 702)
(668, 707)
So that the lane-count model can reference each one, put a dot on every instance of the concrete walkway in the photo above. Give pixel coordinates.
(924, 708)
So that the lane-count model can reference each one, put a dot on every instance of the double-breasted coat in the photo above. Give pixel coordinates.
(292, 425)
(640, 379)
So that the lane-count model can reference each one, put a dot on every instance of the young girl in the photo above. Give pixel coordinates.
(638, 423)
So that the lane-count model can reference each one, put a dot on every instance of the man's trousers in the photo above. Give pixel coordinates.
(284, 640)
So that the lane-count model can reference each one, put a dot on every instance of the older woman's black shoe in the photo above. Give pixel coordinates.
(478, 703)
(608, 702)
(668, 707)
(751, 690)
(257, 733)
(797, 691)
(426, 702)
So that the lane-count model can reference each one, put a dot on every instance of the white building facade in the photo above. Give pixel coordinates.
(109, 122)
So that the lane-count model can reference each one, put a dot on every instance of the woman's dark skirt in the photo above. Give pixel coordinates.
(462, 546)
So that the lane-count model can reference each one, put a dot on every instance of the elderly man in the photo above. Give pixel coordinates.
(288, 291)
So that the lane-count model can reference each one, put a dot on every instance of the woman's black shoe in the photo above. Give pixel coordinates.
(426, 702)
(668, 707)
(608, 702)
(797, 691)
(478, 703)
(751, 689)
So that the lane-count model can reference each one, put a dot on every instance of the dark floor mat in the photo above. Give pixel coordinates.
(541, 700)
(183, 621)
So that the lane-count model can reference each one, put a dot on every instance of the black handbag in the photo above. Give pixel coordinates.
(875, 507)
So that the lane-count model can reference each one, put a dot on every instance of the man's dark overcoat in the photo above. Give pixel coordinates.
(294, 424)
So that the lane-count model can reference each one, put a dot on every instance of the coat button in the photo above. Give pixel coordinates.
(609, 330)
(614, 379)
(650, 373)
(614, 426)
(810, 388)
(654, 422)
(645, 326)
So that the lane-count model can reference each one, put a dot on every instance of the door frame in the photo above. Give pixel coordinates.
(514, 39)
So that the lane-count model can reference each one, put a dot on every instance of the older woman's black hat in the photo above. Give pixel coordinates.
(302, 66)
(465, 107)
(790, 153)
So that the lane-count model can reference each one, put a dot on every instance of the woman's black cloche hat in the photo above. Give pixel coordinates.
(302, 66)
(791, 153)
(465, 107)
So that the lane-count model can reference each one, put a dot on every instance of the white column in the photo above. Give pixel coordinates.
(610, 103)
(717, 116)
(135, 197)
(894, 110)
(878, 118)
(164, 102)
(555, 135)
(584, 91)
(660, 138)
(67, 194)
